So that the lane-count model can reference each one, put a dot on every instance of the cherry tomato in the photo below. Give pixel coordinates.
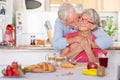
(14, 64)
(8, 68)
(9, 73)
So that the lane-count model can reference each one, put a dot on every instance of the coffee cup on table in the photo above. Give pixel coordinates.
(59, 59)
(50, 57)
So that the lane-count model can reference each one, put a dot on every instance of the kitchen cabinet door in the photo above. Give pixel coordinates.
(75, 1)
(110, 5)
(90, 4)
(61, 1)
(56, 1)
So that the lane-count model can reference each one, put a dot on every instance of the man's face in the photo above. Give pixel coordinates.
(72, 20)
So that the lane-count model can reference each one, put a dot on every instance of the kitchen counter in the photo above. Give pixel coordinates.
(115, 46)
(66, 74)
(42, 48)
(26, 47)
(112, 72)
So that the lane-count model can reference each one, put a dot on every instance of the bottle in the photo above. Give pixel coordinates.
(31, 40)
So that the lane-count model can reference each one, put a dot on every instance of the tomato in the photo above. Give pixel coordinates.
(16, 73)
(24, 70)
(92, 65)
(9, 73)
(14, 64)
(8, 68)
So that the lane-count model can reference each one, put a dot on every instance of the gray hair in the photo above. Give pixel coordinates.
(94, 15)
(64, 10)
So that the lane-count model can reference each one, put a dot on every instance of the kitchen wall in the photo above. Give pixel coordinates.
(52, 15)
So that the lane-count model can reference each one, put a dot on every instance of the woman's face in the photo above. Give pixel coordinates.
(86, 22)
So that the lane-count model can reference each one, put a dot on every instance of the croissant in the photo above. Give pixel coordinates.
(51, 67)
(43, 67)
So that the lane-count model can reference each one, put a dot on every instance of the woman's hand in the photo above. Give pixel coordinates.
(75, 39)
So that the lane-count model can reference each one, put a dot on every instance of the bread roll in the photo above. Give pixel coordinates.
(67, 65)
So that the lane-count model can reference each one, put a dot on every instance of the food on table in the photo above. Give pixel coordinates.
(43, 67)
(67, 65)
(101, 71)
(14, 69)
(92, 65)
(90, 72)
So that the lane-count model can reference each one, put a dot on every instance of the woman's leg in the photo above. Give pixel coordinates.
(75, 49)
(86, 46)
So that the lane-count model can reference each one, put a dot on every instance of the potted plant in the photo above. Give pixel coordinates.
(110, 30)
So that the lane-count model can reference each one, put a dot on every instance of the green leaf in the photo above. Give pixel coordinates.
(3, 71)
(20, 71)
(111, 29)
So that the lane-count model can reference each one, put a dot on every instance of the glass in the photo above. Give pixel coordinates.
(86, 21)
(59, 59)
(50, 57)
(103, 60)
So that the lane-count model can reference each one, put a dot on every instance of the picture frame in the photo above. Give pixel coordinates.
(2, 7)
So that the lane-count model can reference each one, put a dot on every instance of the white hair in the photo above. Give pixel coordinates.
(94, 15)
(64, 10)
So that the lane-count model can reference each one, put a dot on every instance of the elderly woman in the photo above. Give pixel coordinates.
(66, 23)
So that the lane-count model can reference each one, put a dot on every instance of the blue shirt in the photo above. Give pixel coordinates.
(59, 42)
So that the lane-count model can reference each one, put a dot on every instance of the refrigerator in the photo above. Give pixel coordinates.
(30, 23)
(31, 16)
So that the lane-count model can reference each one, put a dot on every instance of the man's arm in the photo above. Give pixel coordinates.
(59, 42)
(103, 40)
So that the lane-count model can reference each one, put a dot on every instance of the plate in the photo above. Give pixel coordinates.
(21, 76)
(42, 71)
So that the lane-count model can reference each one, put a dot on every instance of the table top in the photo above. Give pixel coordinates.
(65, 74)
(73, 74)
